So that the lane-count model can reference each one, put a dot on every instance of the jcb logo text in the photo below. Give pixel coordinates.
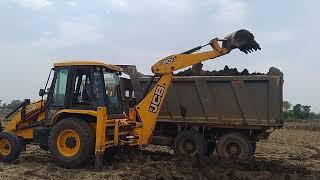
(156, 99)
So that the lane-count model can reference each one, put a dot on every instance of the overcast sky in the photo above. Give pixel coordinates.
(36, 33)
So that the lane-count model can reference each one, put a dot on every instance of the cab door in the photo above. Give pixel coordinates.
(87, 88)
(58, 93)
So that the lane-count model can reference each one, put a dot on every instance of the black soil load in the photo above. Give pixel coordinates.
(196, 70)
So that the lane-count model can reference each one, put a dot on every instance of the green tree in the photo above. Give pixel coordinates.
(12, 104)
(286, 106)
(312, 115)
(306, 111)
(297, 111)
(6, 108)
(287, 112)
(301, 111)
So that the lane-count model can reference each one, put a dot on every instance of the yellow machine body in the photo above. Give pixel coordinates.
(34, 112)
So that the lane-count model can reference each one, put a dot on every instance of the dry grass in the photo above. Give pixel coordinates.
(307, 125)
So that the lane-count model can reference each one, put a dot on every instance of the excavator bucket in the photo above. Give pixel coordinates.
(242, 39)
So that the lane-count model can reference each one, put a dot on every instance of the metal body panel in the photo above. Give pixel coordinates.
(88, 63)
(222, 101)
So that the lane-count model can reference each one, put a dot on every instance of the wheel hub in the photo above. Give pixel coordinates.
(233, 150)
(189, 146)
(68, 142)
(5, 147)
(71, 142)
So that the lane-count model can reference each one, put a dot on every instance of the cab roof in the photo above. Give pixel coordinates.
(88, 63)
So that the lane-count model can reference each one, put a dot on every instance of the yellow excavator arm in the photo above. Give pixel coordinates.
(148, 109)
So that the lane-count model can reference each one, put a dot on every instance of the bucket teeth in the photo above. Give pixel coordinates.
(243, 40)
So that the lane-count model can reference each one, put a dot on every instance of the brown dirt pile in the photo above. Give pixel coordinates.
(196, 70)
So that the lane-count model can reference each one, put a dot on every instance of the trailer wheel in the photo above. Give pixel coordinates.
(190, 143)
(71, 142)
(234, 146)
(10, 147)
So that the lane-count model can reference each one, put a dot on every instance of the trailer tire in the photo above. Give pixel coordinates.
(10, 147)
(71, 142)
(234, 146)
(190, 143)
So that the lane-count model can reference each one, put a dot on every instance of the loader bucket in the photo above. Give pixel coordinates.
(242, 39)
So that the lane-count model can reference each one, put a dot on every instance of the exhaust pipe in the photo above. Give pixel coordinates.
(241, 39)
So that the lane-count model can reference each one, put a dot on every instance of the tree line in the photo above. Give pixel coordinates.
(298, 112)
(290, 112)
(6, 108)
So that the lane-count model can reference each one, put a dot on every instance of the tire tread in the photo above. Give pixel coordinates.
(85, 133)
(15, 146)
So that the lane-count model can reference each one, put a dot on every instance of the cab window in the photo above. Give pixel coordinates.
(112, 85)
(59, 92)
(82, 90)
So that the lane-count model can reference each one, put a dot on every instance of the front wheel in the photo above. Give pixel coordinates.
(71, 142)
(10, 147)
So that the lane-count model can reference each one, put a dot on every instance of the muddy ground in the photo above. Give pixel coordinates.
(288, 154)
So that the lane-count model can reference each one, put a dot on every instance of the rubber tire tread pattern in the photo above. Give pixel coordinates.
(86, 142)
(241, 139)
(198, 140)
(16, 147)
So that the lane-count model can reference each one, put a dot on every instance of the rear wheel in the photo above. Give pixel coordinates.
(190, 143)
(71, 142)
(234, 146)
(10, 147)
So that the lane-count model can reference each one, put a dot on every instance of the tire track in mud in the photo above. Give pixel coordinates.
(286, 156)
(316, 151)
(202, 167)
(35, 174)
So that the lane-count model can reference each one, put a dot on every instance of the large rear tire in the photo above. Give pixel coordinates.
(71, 142)
(234, 146)
(10, 147)
(190, 143)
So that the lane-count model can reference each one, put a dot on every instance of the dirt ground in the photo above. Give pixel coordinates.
(287, 154)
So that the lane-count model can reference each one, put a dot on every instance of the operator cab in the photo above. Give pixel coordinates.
(84, 86)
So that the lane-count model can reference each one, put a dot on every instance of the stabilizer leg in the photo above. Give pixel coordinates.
(98, 162)
(100, 136)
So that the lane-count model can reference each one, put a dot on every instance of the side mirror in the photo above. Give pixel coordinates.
(42, 92)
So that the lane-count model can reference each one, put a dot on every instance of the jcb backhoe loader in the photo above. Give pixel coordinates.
(81, 114)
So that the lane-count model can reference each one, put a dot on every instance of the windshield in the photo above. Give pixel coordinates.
(112, 84)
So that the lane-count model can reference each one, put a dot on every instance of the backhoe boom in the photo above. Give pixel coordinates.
(148, 109)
